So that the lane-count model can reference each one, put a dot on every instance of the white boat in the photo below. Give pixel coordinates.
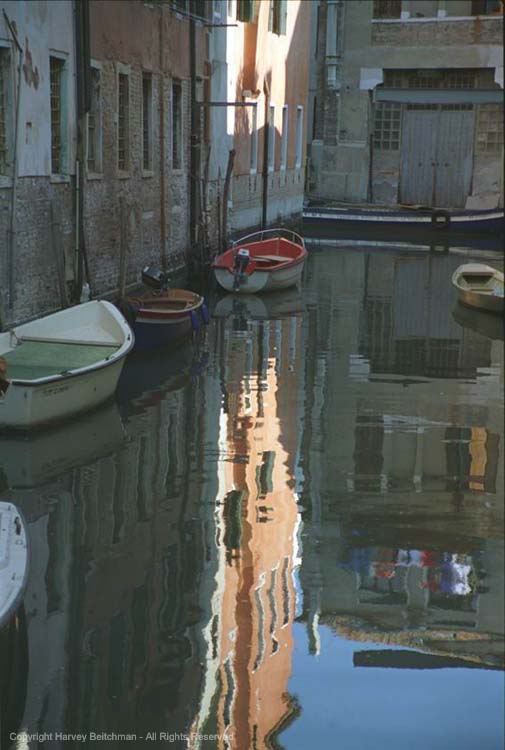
(13, 561)
(264, 261)
(479, 286)
(61, 365)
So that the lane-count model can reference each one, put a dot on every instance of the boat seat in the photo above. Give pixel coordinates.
(279, 258)
(82, 335)
(31, 360)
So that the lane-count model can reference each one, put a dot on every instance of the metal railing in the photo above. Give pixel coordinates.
(263, 234)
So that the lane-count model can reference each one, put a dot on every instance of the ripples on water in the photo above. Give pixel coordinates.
(288, 535)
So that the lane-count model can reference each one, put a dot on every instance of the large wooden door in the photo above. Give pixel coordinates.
(436, 155)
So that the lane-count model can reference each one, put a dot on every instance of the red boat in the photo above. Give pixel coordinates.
(262, 262)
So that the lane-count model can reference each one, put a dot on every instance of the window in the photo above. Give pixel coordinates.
(490, 129)
(181, 5)
(176, 125)
(284, 137)
(387, 126)
(245, 10)
(123, 151)
(387, 8)
(203, 9)
(94, 156)
(147, 122)
(254, 141)
(4, 108)
(271, 138)
(299, 136)
(487, 7)
(277, 18)
(56, 67)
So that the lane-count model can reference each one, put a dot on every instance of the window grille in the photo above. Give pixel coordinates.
(93, 158)
(146, 122)
(123, 121)
(490, 129)
(177, 126)
(387, 126)
(55, 83)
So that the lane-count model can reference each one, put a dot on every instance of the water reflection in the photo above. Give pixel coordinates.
(323, 476)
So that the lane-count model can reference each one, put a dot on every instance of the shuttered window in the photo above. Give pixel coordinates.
(245, 10)
(123, 160)
(277, 18)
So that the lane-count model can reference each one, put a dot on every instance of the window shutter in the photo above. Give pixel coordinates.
(283, 12)
(271, 16)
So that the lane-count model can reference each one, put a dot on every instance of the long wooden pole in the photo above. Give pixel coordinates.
(226, 192)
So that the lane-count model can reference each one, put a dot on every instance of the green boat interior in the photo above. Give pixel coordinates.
(31, 360)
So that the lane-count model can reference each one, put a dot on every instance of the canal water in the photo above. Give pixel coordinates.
(288, 534)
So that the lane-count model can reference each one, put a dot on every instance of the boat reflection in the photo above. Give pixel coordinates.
(486, 324)
(36, 459)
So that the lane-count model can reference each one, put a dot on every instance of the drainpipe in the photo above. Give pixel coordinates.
(194, 176)
(266, 89)
(161, 100)
(83, 95)
(12, 225)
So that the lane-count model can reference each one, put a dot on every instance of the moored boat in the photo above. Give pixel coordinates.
(413, 217)
(479, 286)
(14, 558)
(264, 261)
(61, 365)
(164, 316)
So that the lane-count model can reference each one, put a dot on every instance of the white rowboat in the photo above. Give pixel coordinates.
(61, 365)
(479, 286)
(13, 561)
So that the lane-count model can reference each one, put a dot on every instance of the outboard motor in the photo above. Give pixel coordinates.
(240, 264)
(155, 278)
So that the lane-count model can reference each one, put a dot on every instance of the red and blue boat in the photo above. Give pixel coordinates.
(164, 316)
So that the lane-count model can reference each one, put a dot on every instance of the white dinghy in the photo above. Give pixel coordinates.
(13, 561)
(479, 286)
(61, 365)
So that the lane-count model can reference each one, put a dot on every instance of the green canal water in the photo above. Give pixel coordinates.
(287, 534)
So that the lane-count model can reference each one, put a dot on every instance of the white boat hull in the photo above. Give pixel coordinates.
(13, 561)
(31, 406)
(33, 403)
(261, 281)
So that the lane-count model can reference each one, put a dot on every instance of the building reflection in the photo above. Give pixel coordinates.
(257, 534)
(404, 498)
(123, 562)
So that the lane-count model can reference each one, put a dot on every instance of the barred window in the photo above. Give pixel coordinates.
(387, 126)
(4, 139)
(490, 129)
(460, 79)
(56, 66)
(176, 125)
(94, 159)
(123, 160)
(147, 122)
(387, 8)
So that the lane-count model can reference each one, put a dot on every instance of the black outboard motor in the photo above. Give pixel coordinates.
(239, 266)
(155, 278)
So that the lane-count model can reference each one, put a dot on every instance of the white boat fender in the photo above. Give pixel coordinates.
(441, 218)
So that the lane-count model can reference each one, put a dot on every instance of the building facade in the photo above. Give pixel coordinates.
(116, 125)
(406, 102)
